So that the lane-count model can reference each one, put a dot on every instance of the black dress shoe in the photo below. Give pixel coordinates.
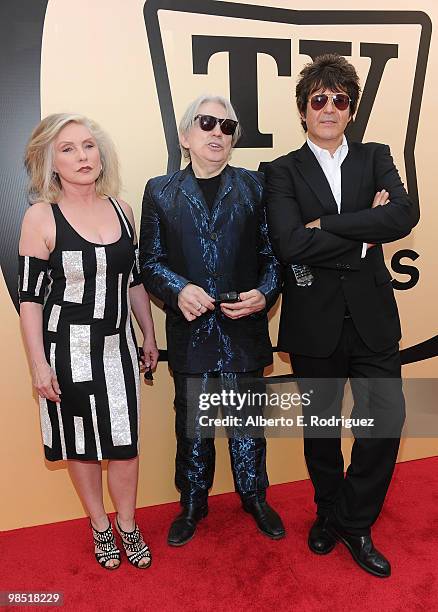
(320, 540)
(268, 521)
(363, 552)
(184, 526)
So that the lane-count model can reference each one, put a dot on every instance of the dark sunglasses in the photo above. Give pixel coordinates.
(208, 123)
(340, 100)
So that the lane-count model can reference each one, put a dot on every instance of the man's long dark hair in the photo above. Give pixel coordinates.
(330, 71)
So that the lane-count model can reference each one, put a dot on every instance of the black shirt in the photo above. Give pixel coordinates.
(209, 188)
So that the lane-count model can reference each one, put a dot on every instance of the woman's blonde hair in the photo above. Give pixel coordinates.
(44, 183)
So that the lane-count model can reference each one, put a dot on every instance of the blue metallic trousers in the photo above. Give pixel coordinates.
(195, 455)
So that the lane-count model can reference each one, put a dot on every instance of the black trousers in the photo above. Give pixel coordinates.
(354, 501)
(195, 454)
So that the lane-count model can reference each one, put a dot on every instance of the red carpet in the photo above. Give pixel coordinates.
(230, 566)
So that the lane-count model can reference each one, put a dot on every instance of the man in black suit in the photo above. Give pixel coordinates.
(331, 205)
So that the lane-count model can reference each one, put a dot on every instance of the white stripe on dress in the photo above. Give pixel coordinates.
(79, 435)
(58, 405)
(132, 346)
(100, 293)
(26, 273)
(115, 385)
(46, 425)
(52, 324)
(52, 356)
(61, 431)
(119, 300)
(74, 276)
(80, 353)
(39, 283)
(95, 427)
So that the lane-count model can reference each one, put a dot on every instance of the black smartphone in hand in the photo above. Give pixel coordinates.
(230, 297)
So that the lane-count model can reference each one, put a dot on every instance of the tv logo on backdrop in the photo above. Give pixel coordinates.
(245, 85)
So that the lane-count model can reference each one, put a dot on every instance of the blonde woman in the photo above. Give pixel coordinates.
(78, 282)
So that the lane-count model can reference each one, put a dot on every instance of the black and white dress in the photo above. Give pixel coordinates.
(88, 341)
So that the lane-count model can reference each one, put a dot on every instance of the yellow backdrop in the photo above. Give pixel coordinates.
(96, 61)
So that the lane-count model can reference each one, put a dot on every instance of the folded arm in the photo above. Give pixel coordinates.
(379, 224)
(293, 243)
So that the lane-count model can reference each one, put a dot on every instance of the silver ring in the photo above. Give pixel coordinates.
(198, 307)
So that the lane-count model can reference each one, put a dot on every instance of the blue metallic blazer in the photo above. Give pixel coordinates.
(228, 249)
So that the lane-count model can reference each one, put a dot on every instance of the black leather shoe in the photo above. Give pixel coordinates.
(320, 540)
(268, 521)
(363, 552)
(184, 526)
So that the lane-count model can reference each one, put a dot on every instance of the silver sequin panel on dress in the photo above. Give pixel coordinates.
(25, 273)
(79, 435)
(58, 405)
(74, 276)
(95, 426)
(119, 300)
(52, 324)
(53, 356)
(100, 294)
(80, 353)
(115, 384)
(61, 430)
(132, 346)
(46, 426)
(39, 283)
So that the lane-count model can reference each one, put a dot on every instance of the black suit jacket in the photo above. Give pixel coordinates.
(297, 192)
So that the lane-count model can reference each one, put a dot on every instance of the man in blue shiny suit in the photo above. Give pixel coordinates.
(203, 234)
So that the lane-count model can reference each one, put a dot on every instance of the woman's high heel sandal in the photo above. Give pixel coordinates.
(106, 543)
(135, 547)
